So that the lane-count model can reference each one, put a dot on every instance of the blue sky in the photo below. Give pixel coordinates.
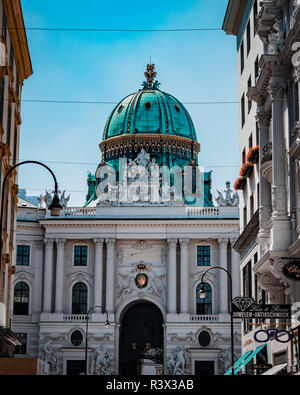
(107, 66)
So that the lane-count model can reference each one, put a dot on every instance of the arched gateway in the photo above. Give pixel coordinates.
(141, 339)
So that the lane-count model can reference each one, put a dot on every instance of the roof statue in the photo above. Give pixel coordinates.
(230, 200)
(47, 199)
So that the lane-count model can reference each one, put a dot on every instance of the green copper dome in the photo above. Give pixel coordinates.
(150, 111)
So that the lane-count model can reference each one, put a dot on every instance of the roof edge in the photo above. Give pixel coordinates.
(233, 16)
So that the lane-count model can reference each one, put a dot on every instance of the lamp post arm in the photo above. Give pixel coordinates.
(3, 191)
(231, 316)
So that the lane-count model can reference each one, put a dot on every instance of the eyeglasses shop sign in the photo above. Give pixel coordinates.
(253, 310)
(292, 270)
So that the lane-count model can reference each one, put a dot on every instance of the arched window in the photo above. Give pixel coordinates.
(204, 305)
(79, 299)
(21, 299)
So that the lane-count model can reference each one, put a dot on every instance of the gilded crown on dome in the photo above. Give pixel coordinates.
(150, 74)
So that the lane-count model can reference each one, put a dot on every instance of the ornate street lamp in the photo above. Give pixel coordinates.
(107, 325)
(55, 206)
(202, 294)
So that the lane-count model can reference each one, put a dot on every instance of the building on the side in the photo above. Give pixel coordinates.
(15, 68)
(268, 75)
(137, 251)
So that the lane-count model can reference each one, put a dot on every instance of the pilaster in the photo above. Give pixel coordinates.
(184, 276)
(60, 244)
(48, 272)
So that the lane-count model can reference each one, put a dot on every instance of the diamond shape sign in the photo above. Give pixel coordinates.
(243, 303)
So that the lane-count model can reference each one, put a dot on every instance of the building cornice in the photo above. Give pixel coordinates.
(18, 37)
(248, 233)
(159, 142)
(233, 17)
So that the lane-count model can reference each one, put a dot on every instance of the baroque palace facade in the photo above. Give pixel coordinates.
(141, 258)
(268, 42)
(15, 67)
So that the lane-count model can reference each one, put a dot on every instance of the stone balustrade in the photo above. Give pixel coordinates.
(74, 317)
(204, 318)
(267, 153)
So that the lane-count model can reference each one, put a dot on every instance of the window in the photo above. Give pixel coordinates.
(248, 38)
(11, 56)
(8, 125)
(204, 338)
(2, 286)
(249, 101)
(15, 146)
(1, 97)
(23, 253)
(256, 68)
(4, 26)
(79, 299)
(242, 57)
(80, 256)
(243, 110)
(204, 305)
(280, 358)
(244, 156)
(251, 206)
(203, 255)
(18, 83)
(21, 299)
(23, 339)
(255, 16)
(245, 215)
(76, 338)
(247, 280)
(250, 141)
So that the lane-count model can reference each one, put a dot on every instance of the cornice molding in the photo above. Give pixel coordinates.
(157, 142)
(18, 36)
(233, 16)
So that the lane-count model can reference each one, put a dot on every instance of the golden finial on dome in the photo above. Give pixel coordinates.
(150, 75)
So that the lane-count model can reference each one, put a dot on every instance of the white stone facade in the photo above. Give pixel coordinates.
(165, 244)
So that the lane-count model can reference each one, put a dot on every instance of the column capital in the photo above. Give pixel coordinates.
(60, 242)
(98, 241)
(233, 240)
(263, 119)
(277, 90)
(172, 242)
(49, 242)
(110, 241)
(184, 242)
(222, 241)
(297, 73)
(38, 244)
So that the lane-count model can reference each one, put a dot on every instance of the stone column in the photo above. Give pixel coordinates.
(184, 276)
(60, 243)
(281, 229)
(263, 120)
(171, 272)
(48, 272)
(98, 279)
(224, 278)
(38, 277)
(235, 271)
(110, 276)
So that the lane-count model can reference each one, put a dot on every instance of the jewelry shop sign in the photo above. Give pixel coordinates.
(245, 307)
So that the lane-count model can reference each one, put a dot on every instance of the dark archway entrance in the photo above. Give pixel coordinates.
(141, 328)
